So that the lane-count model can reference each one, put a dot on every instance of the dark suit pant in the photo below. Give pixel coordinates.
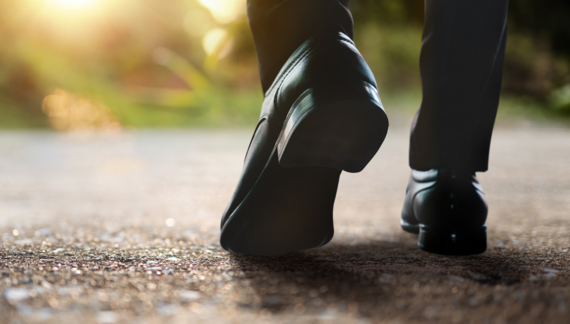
(461, 66)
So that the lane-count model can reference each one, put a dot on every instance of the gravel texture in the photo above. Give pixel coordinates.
(123, 228)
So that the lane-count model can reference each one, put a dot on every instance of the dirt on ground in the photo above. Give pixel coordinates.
(124, 228)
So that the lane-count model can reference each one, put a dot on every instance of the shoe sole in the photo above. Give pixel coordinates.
(448, 241)
(289, 209)
(410, 228)
(340, 133)
(453, 241)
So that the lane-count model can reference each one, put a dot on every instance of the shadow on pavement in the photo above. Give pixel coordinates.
(374, 278)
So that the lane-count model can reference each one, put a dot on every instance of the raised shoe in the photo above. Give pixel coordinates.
(321, 115)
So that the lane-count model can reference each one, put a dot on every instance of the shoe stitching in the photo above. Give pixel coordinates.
(305, 55)
(346, 41)
(282, 79)
(294, 64)
(286, 73)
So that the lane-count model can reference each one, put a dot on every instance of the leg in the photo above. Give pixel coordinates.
(321, 115)
(461, 67)
(280, 26)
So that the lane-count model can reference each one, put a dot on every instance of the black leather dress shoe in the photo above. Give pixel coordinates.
(448, 210)
(322, 115)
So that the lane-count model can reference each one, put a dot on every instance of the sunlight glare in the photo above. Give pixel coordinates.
(72, 4)
(225, 11)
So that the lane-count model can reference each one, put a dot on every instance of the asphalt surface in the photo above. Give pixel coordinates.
(123, 228)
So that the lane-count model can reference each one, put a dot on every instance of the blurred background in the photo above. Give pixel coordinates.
(75, 65)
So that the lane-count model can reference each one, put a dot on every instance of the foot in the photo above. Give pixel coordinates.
(447, 208)
(322, 115)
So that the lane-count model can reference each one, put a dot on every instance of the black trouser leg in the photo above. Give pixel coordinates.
(461, 68)
(280, 26)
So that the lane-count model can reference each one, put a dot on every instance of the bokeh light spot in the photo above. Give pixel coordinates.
(170, 222)
(213, 40)
(69, 112)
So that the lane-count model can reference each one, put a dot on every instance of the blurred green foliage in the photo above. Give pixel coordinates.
(136, 56)
(537, 62)
(148, 60)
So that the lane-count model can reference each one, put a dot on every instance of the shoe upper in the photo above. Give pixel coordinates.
(445, 199)
(319, 64)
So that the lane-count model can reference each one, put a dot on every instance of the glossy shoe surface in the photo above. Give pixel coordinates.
(448, 210)
(289, 209)
(322, 115)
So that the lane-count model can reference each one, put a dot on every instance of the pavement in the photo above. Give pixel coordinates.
(124, 228)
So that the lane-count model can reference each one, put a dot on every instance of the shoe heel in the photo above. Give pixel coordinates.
(453, 242)
(330, 130)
